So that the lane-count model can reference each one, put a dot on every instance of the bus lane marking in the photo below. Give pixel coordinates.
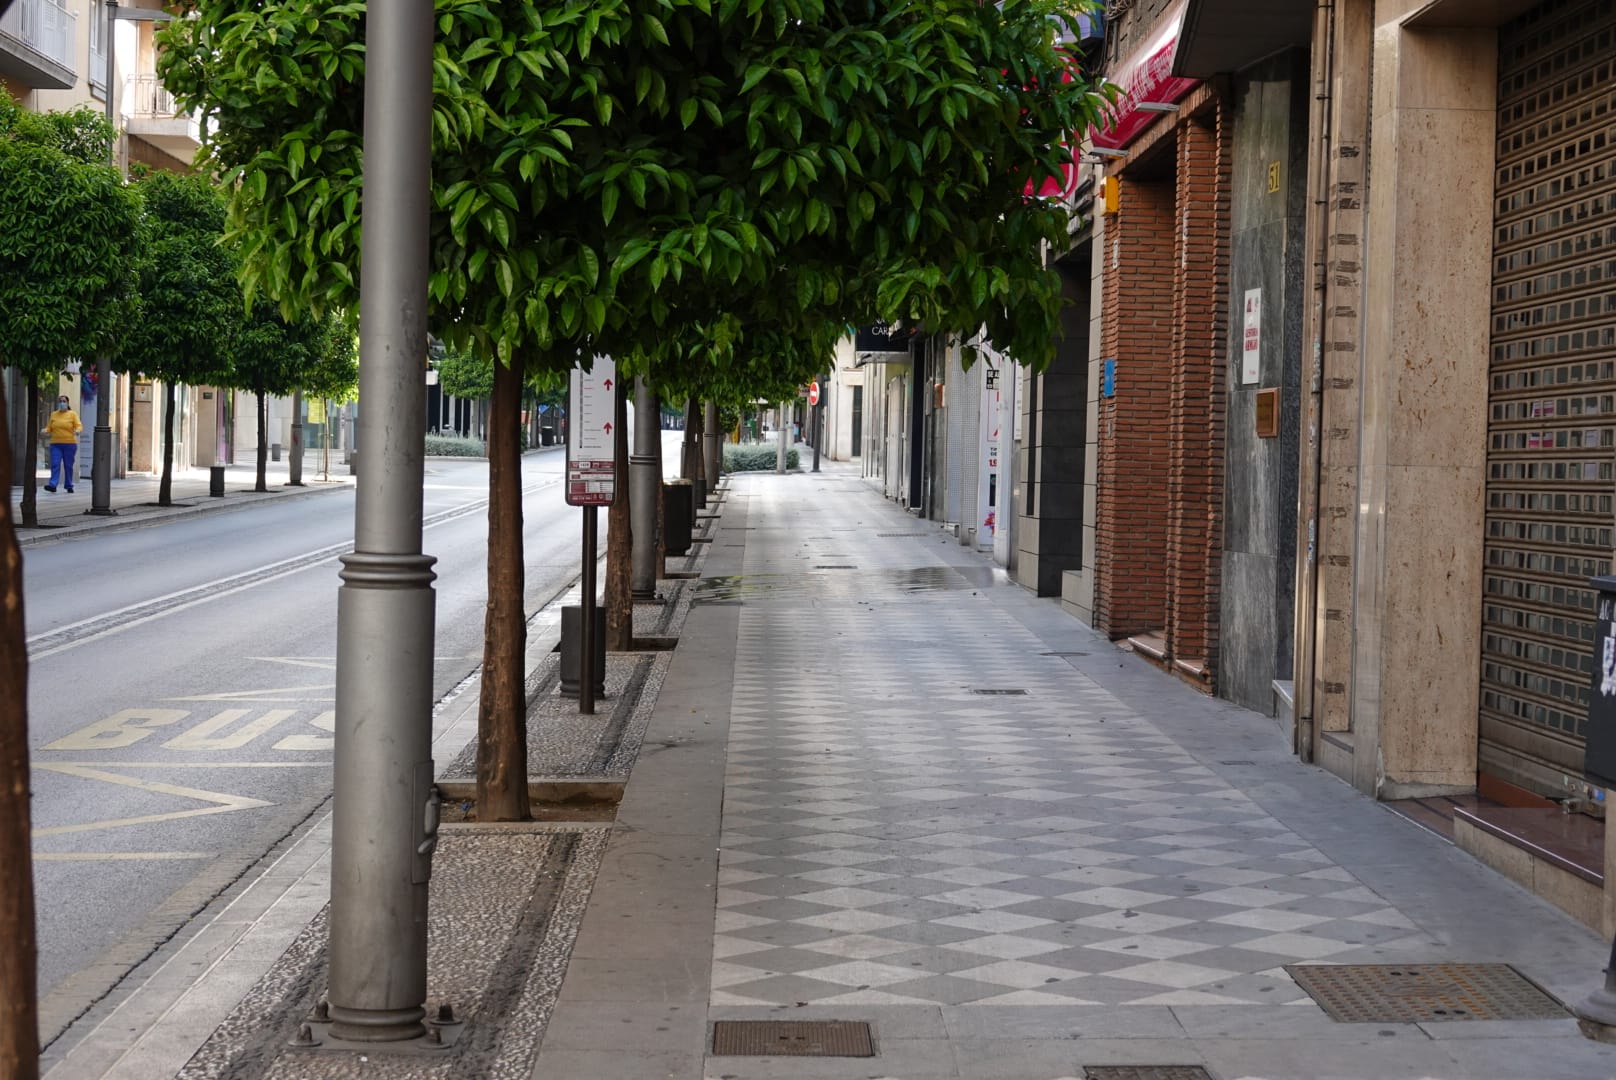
(220, 802)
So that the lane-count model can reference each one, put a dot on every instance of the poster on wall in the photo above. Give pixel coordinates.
(993, 375)
(1251, 339)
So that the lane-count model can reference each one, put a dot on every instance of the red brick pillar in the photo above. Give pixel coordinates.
(1199, 389)
(1130, 558)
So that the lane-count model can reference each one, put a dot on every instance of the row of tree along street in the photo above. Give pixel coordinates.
(139, 274)
(709, 191)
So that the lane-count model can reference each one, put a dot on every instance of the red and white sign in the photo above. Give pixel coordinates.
(591, 447)
(1251, 342)
(1146, 77)
(813, 393)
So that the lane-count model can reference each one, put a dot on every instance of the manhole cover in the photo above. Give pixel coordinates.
(982, 690)
(1146, 1072)
(1419, 993)
(794, 1038)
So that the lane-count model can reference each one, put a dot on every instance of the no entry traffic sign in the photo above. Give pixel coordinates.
(591, 447)
(813, 392)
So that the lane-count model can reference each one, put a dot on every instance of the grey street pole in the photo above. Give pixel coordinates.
(780, 451)
(294, 460)
(819, 417)
(642, 465)
(712, 440)
(384, 824)
(586, 616)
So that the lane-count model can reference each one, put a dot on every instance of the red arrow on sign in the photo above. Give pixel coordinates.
(608, 428)
(608, 384)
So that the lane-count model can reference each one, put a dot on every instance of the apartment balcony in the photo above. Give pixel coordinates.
(36, 45)
(149, 114)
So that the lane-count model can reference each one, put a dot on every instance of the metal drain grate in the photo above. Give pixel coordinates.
(792, 1038)
(902, 535)
(1237, 761)
(1146, 1072)
(1015, 693)
(835, 566)
(1420, 993)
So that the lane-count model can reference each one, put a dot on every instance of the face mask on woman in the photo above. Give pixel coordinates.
(61, 405)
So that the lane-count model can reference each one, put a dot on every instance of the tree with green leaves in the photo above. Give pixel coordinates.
(69, 240)
(190, 297)
(621, 178)
(274, 356)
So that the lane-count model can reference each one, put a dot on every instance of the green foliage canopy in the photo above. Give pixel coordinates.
(69, 239)
(464, 373)
(629, 175)
(191, 304)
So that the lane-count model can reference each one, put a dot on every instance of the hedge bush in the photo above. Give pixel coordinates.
(453, 446)
(755, 457)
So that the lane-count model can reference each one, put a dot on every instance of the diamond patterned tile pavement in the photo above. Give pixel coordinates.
(890, 837)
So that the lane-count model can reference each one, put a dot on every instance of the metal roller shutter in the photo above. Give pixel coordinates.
(1552, 404)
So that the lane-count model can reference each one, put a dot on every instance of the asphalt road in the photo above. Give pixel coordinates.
(180, 697)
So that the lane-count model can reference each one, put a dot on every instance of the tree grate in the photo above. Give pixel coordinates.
(792, 1038)
(1146, 1072)
(1422, 993)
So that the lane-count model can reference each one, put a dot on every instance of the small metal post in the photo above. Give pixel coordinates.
(586, 619)
(1596, 1013)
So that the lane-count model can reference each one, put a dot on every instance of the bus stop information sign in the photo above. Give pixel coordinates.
(591, 448)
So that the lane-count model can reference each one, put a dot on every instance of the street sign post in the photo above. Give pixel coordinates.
(591, 484)
(591, 449)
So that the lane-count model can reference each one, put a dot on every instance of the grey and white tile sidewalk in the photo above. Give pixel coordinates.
(953, 810)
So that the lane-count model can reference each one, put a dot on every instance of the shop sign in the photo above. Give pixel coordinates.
(1146, 78)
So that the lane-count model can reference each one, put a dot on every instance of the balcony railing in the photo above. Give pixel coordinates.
(146, 101)
(45, 26)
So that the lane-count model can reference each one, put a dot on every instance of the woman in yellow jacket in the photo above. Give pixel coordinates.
(63, 427)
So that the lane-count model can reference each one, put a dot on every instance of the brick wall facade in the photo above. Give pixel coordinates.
(1137, 333)
(1165, 295)
(1200, 320)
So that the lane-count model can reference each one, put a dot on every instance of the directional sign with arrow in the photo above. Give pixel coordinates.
(591, 454)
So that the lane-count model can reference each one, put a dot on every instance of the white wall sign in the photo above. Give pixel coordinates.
(1251, 341)
(591, 448)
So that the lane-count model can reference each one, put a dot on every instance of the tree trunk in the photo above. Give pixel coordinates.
(689, 447)
(502, 708)
(19, 1022)
(30, 460)
(165, 487)
(661, 497)
(263, 443)
(620, 536)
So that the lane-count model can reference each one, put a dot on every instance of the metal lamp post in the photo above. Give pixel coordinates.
(384, 823)
(101, 439)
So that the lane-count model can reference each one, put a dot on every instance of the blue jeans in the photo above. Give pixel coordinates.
(62, 455)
